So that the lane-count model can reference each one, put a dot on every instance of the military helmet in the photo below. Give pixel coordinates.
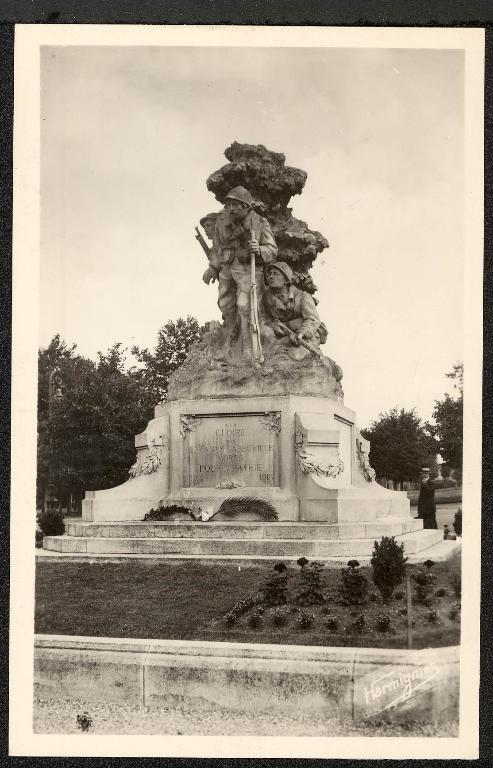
(207, 217)
(241, 194)
(282, 267)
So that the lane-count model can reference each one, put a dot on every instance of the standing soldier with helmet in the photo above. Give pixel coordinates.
(242, 245)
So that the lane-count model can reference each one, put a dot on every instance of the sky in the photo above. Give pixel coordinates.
(130, 134)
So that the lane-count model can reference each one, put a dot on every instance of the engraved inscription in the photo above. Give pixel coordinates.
(231, 451)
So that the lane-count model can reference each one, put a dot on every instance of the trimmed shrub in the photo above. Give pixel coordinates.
(309, 591)
(354, 586)
(305, 619)
(332, 623)
(51, 522)
(383, 622)
(425, 583)
(458, 522)
(275, 591)
(389, 566)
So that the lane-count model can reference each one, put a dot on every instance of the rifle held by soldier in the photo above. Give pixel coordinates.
(202, 242)
(258, 356)
(295, 339)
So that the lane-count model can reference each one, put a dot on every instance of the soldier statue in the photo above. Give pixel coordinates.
(242, 245)
(290, 317)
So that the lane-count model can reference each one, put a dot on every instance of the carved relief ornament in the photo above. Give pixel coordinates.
(148, 459)
(271, 420)
(189, 423)
(311, 464)
(364, 461)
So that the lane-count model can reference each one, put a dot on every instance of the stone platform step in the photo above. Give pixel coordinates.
(414, 542)
(373, 529)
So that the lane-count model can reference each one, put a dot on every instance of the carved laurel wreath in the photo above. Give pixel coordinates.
(148, 460)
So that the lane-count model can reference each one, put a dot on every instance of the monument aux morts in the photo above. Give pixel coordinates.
(257, 408)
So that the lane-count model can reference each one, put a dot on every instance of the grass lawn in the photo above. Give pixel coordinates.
(187, 600)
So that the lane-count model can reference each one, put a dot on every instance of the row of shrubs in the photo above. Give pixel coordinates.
(388, 571)
(383, 622)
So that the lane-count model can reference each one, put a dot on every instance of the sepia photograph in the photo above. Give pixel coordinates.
(246, 391)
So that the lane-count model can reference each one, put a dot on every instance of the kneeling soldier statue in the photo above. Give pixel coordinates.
(290, 315)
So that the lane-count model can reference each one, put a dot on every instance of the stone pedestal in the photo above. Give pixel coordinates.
(302, 454)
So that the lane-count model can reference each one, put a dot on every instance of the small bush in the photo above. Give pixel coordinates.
(305, 619)
(332, 623)
(354, 586)
(403, 611)
(458, 522)
(383, 622)
(230, 619)
(280, 617)
(433, 616)
(440, 592)
(389, 566)
(399, 595)
(424, 582)
(275, 590)
(51, 522)
(309, 591)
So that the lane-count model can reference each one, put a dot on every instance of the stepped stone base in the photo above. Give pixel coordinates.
(245, 539)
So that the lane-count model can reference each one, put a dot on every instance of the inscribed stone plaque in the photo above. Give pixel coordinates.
(240, 449)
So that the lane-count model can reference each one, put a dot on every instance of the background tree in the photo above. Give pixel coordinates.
(86, 438)
(173, 342)
(400, 445)
(448, 415)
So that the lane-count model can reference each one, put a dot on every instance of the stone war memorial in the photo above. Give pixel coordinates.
(254, 452)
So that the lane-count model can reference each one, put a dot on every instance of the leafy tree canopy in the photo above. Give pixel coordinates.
(173, 342)
(90, 411)
(448, 415)
(400, 444)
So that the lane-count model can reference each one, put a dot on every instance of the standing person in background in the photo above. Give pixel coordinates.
(426, 501)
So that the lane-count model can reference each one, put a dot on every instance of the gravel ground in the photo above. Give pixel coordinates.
(183, 717)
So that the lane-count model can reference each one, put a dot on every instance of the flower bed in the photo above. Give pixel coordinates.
(194, 600)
